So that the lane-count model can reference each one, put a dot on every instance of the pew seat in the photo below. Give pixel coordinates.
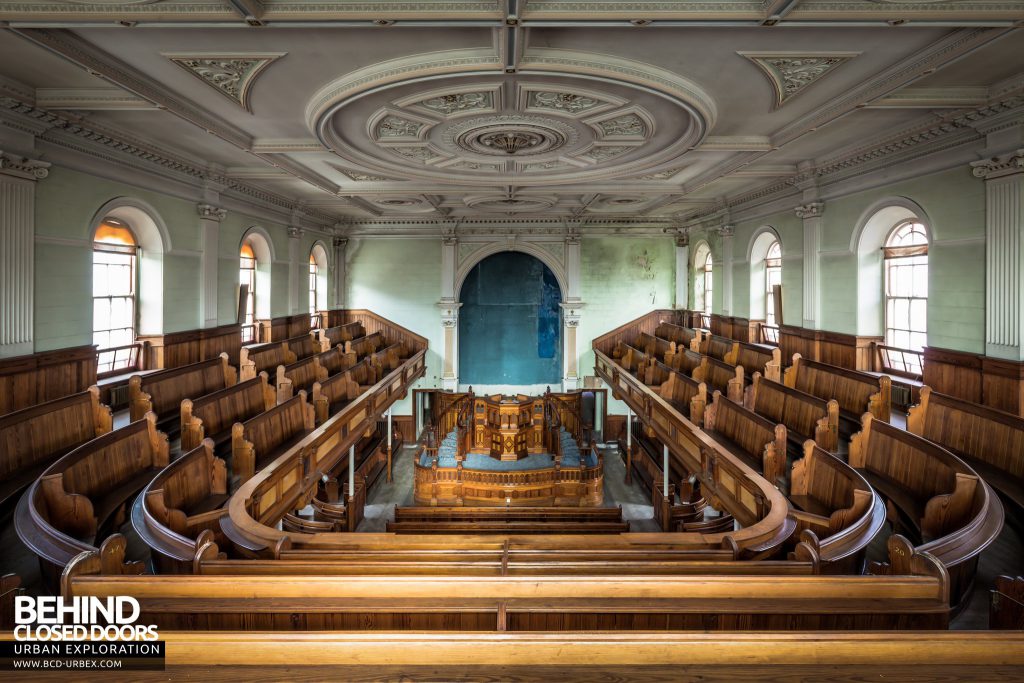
(262, 438)
(989, 440)
(212, 416)
(758, 442)
(34, 438)
(263, 358)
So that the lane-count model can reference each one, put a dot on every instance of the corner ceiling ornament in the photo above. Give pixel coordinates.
(791, 72)
(231, 75)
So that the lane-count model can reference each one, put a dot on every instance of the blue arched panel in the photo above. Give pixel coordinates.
(510, 322)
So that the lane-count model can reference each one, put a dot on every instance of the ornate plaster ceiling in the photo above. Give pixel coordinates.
(384, 115)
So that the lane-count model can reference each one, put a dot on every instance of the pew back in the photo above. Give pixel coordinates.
(855, 392)
(264, 357)
(162, 392)
(212, 415)
(804, 415)
(761, 440)
(260, 439)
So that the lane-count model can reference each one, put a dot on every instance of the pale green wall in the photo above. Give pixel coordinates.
(66, 203)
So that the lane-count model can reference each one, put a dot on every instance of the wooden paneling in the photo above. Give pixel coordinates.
(1003, 385)
(175, 349)
(992, 382)
(26, 381)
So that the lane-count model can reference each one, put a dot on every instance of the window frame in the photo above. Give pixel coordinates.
(904, 262)
(125, 356)
(771, 264)
(249, 322)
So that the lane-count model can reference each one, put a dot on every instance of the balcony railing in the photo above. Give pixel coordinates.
(900, 362)
(118, 360)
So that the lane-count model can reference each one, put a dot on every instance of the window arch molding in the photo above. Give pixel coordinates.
(263, 248)
(701, 254)
(318, 254)
(757, 251)
(154, 241)
(870, 233)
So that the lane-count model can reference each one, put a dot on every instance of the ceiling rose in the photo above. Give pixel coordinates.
(479, 127)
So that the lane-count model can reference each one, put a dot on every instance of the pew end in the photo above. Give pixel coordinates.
(947, 511)
(905, 560)
(283, 385)
(103, 417)
(107, 560)
(230, 374)
(246, 366)
(736, 386)
(243, 455)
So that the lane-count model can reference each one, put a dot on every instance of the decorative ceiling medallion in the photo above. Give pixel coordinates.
(606, 152)
(509, 135)
(791, 72)
(454, 103)
(626, 126)
(420, 153)
(392, 127)
(616, 203)
(506, 204)
(231, 75)
(474, 166)
(563, 101)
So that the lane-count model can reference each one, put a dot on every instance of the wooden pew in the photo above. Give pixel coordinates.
(654, 346)
(684, 393)
(720, 376)
(836, 511)
(855, 392)
(299, 376)
(180, 509)
(682, 336)
(684, 360)
(717, 347)
(388, 358)
(263, 358)
(334, 393)
(162, 392)
(753, 357)
(747, 435)
(420, 602)
(331, 337)
(304, 345)
(335, 360)
(989, 440)
(476, 520)
(260, 439)
(83, 495)
(364, 346)
(805, 416)
(1006, 607)
(213, 415)
(33, 438)
(932, 494)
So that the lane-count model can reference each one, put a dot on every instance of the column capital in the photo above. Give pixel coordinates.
(340, 242)
(449, 313)
(727, 230)
(571, 312)
(810, 210)
(210, 212)
(997, 167)
(23, 167)
(295, 232)
(682, 238)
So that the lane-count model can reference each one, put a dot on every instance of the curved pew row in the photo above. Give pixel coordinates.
(758, 442)
(331, 337)
(291, 481)
(933, 495)
(263, 358)
(757, 505)
(805, 416)
(162, 392)
(786, 600)
(213, 415)
(259, 440)
(855, 392)
(180, 509)
(989, 440)
(81, 497)
(33, 438)
(836, 512)
(682, 336)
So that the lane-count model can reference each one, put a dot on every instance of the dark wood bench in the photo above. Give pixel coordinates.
(836, 511)
(334, 393)
(163, 391)
(717, 347)
(181, 508)
(682, 336)
(304, 345)
(82, 497)
(856, 392)
(260, 439)
(754, 357)
(684, 360)
(299, 376)
(805, 416)
(1007, 604)
(654, 346)
(936, 497)
(263, 358)
(989, 440)
(720, 376)
(758, 442)
(364, 346)
(682, 392)
(212, 416)
(335, 360)
(389, 358)
(34, 438)
(331, 337)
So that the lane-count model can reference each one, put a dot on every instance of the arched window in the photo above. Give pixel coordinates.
(704, 283)
(114, 290)
(247, 280)
(906, 287)
(317, 284)
(772, 277)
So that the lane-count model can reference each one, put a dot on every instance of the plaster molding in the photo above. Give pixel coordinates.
(811, 210)
(790, 73)
(211, 213)
(232, 75)
(997, 167)
(23, 167)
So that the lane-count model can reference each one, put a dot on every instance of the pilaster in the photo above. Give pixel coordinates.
(210, 217)
(682, 270)
(449, 307)
(1004, 267)
(810, 214)
(340, 271)
(727, 231)
(570, 357)
(294, 269)
(18, 177)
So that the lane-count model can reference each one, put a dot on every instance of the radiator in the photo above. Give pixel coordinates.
(900, 395)
(118, 396)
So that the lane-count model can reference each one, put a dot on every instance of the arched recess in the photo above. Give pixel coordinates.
(318, 255)
(757, 251)
(510, 310)
(700, 257)
(154, 241)
(263, 248)
(543, 256)
(868, 238)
